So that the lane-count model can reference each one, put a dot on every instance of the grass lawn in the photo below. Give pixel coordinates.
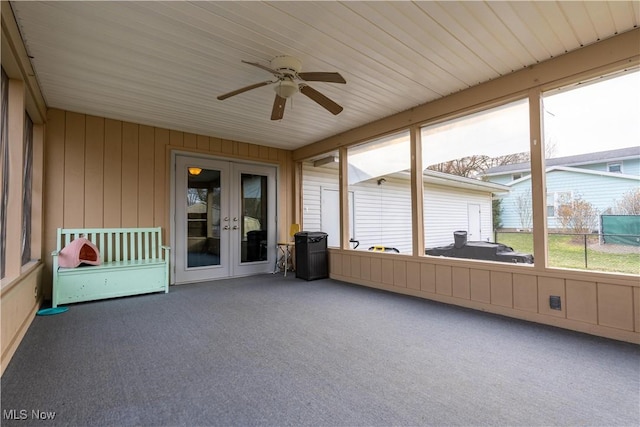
(566, 252)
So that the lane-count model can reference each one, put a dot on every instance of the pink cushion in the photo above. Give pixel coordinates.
(79, 251)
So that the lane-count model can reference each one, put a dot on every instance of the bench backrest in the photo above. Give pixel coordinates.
(118, 244)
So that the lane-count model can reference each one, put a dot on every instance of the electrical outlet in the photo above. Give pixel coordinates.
(555, 303)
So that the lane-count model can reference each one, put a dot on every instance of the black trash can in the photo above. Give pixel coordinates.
(311, 255)
(459, 239)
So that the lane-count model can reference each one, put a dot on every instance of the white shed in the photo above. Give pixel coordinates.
(380, 207)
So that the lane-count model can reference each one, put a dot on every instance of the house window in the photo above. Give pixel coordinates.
(551, 205)
(460, 200)
(614, 167)
(556, 200)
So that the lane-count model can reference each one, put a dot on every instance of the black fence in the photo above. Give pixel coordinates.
(593, 251)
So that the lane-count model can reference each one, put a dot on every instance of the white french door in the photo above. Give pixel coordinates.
(225, 219)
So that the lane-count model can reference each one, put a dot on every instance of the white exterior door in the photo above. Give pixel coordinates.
(330, 215)
(225, 220)
(474, 232)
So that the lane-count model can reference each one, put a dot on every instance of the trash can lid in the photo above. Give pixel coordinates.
(311, 233)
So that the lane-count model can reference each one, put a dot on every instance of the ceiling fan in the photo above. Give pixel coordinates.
(288, 81)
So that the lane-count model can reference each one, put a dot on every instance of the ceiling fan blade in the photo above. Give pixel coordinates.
(264, 67)
(244, 89)
(321, 99)
(322, 77)
(278, 108)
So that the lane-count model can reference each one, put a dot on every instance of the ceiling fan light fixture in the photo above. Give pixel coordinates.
(286, 89)
(289, 81)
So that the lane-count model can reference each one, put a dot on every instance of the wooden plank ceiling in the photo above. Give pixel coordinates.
(164, 63)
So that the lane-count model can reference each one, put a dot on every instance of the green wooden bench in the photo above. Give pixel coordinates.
(133, 261)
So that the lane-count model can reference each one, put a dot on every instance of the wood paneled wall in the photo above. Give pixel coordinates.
(108, 173)
(594, 303)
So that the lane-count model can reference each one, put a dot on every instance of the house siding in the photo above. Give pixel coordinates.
(108, 173)
(383, 213)
(602, 191)
(314, 180)
(502, 179)
(446, 211)
(629, 166)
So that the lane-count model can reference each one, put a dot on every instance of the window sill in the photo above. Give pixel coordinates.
(8, 283)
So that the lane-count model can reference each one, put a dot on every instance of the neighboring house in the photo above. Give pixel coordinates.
(381, 213)
(600, 178)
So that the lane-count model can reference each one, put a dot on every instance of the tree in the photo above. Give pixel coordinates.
(578, 216)
(523, 207)
(496, 210)
(475, 165)
(630, 203)
(550, 148)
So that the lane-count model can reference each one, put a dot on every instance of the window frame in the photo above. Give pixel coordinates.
(27, 190)
(618, 164)
(4, 156)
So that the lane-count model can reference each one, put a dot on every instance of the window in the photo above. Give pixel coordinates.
(614, 167)
(589, 127)
(556, 200)
(470, 189)
(380, 179)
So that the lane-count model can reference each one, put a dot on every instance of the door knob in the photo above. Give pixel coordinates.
(235, 227)
(235, 219)
(226, 218)
(226, 227)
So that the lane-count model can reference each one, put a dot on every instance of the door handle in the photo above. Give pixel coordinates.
(235, 227)
(226, 227)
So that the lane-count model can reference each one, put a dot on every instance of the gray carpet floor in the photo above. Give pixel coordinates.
(274, 351)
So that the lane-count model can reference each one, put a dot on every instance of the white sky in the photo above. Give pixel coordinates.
(601, 115)
(499, 131)
(595, 117)
(579, 119)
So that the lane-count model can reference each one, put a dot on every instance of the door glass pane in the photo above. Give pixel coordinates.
(203, 217)
(253, 221)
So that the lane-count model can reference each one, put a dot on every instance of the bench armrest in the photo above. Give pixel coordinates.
(166, 248)
(55, 253)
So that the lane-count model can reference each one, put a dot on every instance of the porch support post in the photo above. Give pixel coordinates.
(297, 194)
(538, 179)
(417, 192)
(343, 180)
